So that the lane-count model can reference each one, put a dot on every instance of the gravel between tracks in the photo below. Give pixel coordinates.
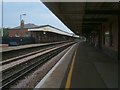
(31, 80)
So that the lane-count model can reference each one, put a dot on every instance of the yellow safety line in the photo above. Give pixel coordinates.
(68, 82)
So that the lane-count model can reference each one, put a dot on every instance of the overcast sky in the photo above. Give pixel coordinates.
(36, 13)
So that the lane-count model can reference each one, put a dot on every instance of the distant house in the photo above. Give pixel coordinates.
(20, 31)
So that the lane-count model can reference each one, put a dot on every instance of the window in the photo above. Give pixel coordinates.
(111, 36)
(26, 35)
(108, 36)
(17, 35)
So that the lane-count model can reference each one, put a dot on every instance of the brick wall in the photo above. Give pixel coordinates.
(18, 33)
(110, 26)
(113, 25)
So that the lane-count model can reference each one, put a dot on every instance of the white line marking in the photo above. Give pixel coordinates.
(50, 72)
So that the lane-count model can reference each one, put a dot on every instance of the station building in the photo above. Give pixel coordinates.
(47, 33)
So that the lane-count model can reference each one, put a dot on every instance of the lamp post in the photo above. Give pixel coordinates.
(2, 21)
(21, 20)
(21, 17)
(20, 25)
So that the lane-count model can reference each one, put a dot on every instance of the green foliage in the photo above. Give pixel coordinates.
(5, 33)
(0, 32)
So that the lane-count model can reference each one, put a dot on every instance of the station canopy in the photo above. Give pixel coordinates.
(48, 28)
(82, 17)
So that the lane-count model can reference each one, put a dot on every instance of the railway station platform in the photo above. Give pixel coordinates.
(92, 69)
(82, 66)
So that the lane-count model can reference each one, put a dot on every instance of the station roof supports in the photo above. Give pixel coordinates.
(80, 16)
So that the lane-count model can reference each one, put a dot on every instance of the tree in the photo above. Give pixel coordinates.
(5, 32)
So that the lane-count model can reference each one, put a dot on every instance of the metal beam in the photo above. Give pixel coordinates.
(119, 34)
(91, 19)
(70, 12)
(110, 12)
(91, 23)
(95, 19)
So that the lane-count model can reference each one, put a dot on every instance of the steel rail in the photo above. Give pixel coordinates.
(15, 76)
(22, 56)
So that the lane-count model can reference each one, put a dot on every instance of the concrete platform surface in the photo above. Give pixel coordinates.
(93, 69)
(90, 69)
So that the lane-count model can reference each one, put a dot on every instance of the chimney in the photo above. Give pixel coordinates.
(22, 24)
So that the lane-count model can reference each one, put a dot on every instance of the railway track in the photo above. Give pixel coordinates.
(22, 50)
(13, 74)
(26, 55)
